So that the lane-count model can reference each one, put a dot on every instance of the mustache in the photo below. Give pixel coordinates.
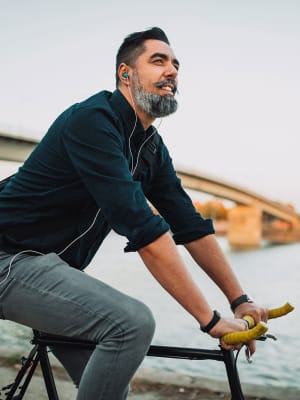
(160, 84)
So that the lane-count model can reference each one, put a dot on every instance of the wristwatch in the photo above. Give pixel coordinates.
(240, 300)
(215, 319)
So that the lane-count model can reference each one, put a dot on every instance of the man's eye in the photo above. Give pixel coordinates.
(158, 61)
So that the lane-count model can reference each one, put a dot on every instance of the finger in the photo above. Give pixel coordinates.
(226, 346)
(238, 346)
(251, 346)
(264, 315)
(247, 323)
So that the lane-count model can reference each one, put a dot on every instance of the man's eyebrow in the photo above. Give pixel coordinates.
(165, 57)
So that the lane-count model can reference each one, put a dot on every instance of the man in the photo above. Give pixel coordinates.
(92, 172)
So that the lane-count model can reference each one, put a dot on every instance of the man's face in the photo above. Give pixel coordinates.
(154, 79)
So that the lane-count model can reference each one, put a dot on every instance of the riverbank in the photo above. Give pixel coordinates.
(150, 385)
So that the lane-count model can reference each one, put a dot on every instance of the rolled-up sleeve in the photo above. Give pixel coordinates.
(175, 205)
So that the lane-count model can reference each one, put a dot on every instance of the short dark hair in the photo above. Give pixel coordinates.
(133, 46)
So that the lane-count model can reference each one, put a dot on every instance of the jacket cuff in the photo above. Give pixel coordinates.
(148, 238)
(188, 235)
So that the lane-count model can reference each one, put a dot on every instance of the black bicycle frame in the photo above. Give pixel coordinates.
(39, 355)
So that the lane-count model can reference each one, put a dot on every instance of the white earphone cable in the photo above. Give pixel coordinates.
(132, 171)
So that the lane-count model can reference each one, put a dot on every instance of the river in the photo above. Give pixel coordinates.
(270, 274)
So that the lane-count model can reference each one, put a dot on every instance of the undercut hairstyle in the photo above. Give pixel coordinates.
(134, 45)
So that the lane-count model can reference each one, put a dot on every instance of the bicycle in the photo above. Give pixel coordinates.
(42, 342)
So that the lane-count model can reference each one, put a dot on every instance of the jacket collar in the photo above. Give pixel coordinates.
(127, 115)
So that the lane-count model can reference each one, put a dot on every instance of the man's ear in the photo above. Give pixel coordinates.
(123, 72)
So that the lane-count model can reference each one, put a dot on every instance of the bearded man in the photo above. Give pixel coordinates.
(96, 169)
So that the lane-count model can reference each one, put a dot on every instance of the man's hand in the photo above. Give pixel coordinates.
(228, 325)
(257, 312)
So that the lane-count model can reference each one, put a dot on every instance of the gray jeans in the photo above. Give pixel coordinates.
(45, 293)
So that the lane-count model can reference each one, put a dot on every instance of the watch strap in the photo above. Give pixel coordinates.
(244, 298)
(215, 319)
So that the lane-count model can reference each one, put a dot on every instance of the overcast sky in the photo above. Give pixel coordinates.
(238, 116)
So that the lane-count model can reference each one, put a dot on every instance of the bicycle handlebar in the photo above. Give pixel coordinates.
(256, 330)
(280, 311)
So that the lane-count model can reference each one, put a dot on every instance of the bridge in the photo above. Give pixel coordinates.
(16, 148)
(225, 190)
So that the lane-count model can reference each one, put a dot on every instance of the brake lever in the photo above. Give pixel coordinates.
(266, 336)
(263, 337)
(248, 355)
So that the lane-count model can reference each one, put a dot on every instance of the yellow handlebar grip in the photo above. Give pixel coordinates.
(259, 329)
(280, 311)
(250, 321)
(245, 336)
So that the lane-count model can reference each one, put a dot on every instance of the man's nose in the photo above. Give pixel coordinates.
(171, 71)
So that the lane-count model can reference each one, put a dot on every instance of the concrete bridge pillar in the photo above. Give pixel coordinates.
(245, 227)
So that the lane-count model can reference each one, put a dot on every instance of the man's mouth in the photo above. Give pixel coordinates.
(168, 86)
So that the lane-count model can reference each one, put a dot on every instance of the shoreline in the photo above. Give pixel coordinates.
(147, 384)
(209, 388)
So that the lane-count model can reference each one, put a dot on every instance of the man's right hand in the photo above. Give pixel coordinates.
(227, 325)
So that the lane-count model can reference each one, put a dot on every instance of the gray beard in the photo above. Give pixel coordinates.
(154, 105)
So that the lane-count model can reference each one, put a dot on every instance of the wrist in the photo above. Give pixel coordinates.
(212, 323)
(244, 298)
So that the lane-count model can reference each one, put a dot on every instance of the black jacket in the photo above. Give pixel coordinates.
(77, 185)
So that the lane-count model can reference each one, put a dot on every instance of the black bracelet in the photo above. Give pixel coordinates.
(215, 319)
(240, 300)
